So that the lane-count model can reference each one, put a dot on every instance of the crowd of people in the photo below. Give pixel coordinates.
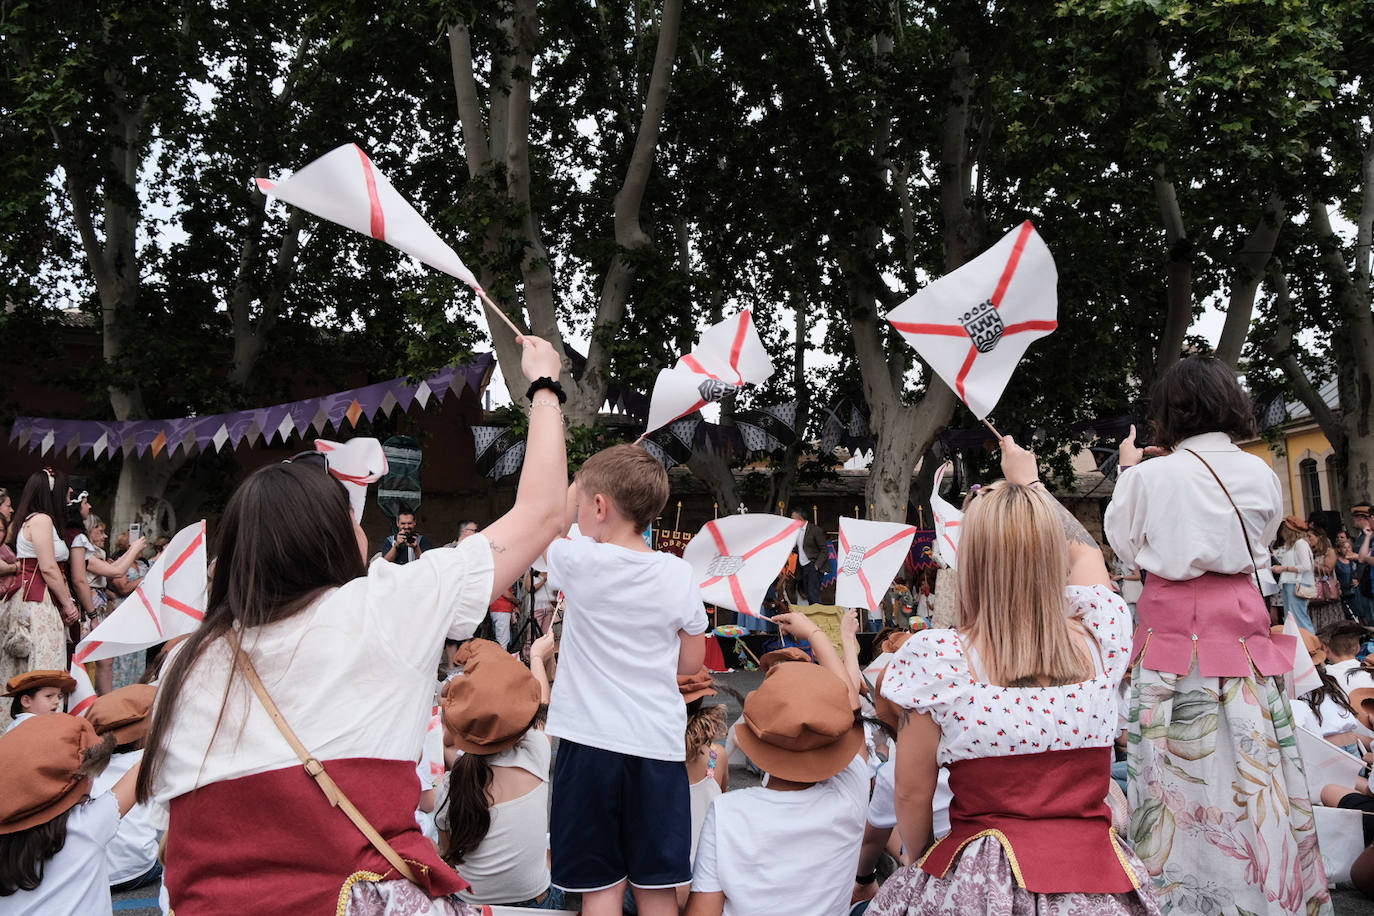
(296, 752)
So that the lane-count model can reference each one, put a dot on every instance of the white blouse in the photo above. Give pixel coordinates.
(1169, 517)
(24, 549)
(353, 673)
(931, 674)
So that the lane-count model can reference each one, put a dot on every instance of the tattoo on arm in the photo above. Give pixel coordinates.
(495, 547)
(1074, 531)
(904, 717)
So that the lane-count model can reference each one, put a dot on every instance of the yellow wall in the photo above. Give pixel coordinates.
(1300, 443)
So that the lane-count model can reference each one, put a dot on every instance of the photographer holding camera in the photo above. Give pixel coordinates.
(405, 545)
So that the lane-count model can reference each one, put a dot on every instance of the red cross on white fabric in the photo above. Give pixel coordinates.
(742, 602)
(729, 353)
(906, 534)
(955, 330)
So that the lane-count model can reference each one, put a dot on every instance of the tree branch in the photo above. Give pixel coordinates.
(469, 108)
(1280, 346)
(1250, 265)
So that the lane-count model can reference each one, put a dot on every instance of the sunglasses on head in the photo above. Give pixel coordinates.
(310, 457)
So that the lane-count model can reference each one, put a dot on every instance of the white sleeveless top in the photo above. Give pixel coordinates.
(23, 547)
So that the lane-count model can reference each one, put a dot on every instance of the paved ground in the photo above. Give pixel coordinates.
(1347, 901)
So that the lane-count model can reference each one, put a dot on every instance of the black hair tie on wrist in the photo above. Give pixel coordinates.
(547, 384)
(868, 878)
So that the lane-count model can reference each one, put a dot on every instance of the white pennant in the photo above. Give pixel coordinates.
(356, 463)
(729, 356)
(169, 601)
(974, 324)
(344, 187)
(870, 556)
(947, 523)
(84, 694)
(736, 558)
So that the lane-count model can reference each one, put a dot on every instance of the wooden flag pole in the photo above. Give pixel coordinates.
(715, 510)
(499, 313)
(815, 519)
(988, 424)
(677, 525)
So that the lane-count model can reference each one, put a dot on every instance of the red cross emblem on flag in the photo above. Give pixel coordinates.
(736, 558)
(729, 356)
(869, 557)
(344, 187)
(973, 325)
(169, 602)
(948, 519)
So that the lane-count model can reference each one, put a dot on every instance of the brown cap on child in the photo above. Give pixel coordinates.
(1362, 701)
(488, 708)
(32, 680)
(696, 686)
(41, 760)
(895, 641)
(1310, 642)
(125, 713)
(778, 656)
(799, 724)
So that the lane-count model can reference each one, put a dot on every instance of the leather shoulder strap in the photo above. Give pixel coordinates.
(314, 767)
(1244, 532)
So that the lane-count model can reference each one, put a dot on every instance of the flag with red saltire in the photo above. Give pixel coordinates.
(947, 522)
(737, 557)
(344, 187)
(169, 601)
(355, 463)
(974, 324)
(728, 357)
(84, 694)
(869, 557)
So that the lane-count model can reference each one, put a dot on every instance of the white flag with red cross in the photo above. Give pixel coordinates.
(84, 694)
(870, 555)
(169, 601)
(973, 325)
(729, 356)
(355, 463)
(948, 520)
(344, 187)
(1303, 678)
(737, 557)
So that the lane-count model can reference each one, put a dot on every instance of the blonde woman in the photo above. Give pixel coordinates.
(1219, 807)
(1020, 703)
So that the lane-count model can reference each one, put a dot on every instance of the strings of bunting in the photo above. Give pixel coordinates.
(103, 438)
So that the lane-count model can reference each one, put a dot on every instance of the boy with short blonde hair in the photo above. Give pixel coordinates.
(634, 620)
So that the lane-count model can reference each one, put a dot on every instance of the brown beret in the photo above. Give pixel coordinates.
(778, 656)
(490, 706)
(696, 686)
(125, 713)
(41, 759)
(32, 680)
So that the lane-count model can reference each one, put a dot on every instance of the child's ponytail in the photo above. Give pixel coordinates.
(469, 813)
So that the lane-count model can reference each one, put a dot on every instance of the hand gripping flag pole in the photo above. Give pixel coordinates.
(344, 187)
(974, 324)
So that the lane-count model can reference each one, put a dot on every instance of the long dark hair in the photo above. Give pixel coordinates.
(1329, 689)
(469, 805)
(23, 854)
(42, 494)
(285, 537)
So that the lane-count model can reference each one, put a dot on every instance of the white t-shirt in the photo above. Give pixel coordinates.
(785, 853)
(134, 848)
(511, 863)
(75, 881)
(882, 808)
(353, 674)
(617, 663)
(1169, 517)
(1336, 719)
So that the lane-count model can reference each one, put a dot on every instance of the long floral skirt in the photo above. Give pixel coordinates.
(981, 881)
(400, 898)
(1219, 804)
(49, 650)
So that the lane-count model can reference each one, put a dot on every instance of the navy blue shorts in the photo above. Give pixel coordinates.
(615, 816)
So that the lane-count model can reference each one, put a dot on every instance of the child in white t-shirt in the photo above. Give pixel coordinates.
(48, 763)
(791, 845)
(633, 621)
(126, 715)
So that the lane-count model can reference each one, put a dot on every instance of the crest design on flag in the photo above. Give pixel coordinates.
(974, 324)
(865, 573)
(728, 356)
(852, 561)
(984, 325)
(736, 558)
(725, 566)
